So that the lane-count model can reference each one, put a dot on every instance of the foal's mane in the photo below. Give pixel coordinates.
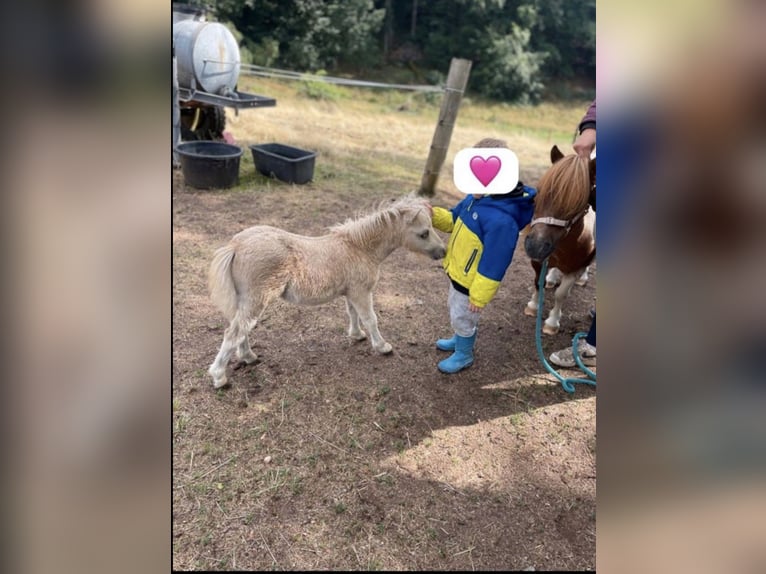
(367, 228)
(564, 189)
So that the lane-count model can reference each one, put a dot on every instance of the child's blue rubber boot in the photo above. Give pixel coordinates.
(462, 358)
(446, 344)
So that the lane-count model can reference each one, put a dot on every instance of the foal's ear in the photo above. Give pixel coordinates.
(556, 154)
(415, 211)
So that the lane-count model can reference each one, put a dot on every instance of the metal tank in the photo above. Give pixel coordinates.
(207, 56)
(206, 66)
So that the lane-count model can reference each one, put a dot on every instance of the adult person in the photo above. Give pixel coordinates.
(583, 145)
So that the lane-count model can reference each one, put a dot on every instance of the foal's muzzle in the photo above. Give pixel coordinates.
(438, 253)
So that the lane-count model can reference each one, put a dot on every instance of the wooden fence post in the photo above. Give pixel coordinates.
(457, 79)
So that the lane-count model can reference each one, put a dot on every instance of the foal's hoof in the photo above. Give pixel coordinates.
(530, 312)
(221, 383)
(219, 376)
(360, 336)
(248, 358)
(384, 349)
(548, 330)
(242, 363)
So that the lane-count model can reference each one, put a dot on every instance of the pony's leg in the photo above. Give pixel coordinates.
(553, 278)
(353, 328)
(244, 351)
(235, 339)
(218, 369)
(583, 279)
(363, 305)
(552, 323)
(531, 309)
(250, 317)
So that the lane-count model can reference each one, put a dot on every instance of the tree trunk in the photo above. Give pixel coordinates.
(414, 18)
(388, 29)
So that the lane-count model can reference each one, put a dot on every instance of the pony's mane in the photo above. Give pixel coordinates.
(564, 189)
(366, 228)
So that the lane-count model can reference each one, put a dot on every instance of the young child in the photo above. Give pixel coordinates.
(485, 230)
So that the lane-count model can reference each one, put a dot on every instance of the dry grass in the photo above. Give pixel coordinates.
(386, 135)
(326, 455)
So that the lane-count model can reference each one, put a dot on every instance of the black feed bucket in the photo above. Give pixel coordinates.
(209, 164)
(287, 163)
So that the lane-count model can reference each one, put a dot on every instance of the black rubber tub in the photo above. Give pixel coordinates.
(287, 163)
(210, 164)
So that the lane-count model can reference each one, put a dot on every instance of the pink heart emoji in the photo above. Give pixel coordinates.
(485, 170)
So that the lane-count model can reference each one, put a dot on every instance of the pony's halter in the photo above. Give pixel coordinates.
(565, 223)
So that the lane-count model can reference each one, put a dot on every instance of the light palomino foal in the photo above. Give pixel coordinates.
(262, 263)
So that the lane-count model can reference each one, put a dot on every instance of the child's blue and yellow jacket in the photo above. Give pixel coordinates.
(484, 236)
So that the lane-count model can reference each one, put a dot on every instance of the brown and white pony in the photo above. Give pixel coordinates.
(562, 228)
(263, 263)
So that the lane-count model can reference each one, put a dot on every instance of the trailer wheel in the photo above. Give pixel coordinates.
(210, 123)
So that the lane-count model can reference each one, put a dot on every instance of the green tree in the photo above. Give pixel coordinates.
(566, 31)
(517, 47)
(496, 36)
(311, 34)
(510, 70)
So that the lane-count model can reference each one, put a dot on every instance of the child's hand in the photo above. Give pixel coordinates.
(473, 308)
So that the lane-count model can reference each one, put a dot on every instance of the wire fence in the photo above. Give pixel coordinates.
(265, 72)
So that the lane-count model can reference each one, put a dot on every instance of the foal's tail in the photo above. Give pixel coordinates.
(221, 283)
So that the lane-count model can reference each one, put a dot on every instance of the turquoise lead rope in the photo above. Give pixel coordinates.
(567, 383)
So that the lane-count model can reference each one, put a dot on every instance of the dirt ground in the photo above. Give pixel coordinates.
(326, 455)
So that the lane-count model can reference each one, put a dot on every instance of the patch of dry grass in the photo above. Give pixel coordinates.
(382, 139)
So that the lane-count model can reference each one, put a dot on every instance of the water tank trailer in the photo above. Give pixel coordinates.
(206, 65)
